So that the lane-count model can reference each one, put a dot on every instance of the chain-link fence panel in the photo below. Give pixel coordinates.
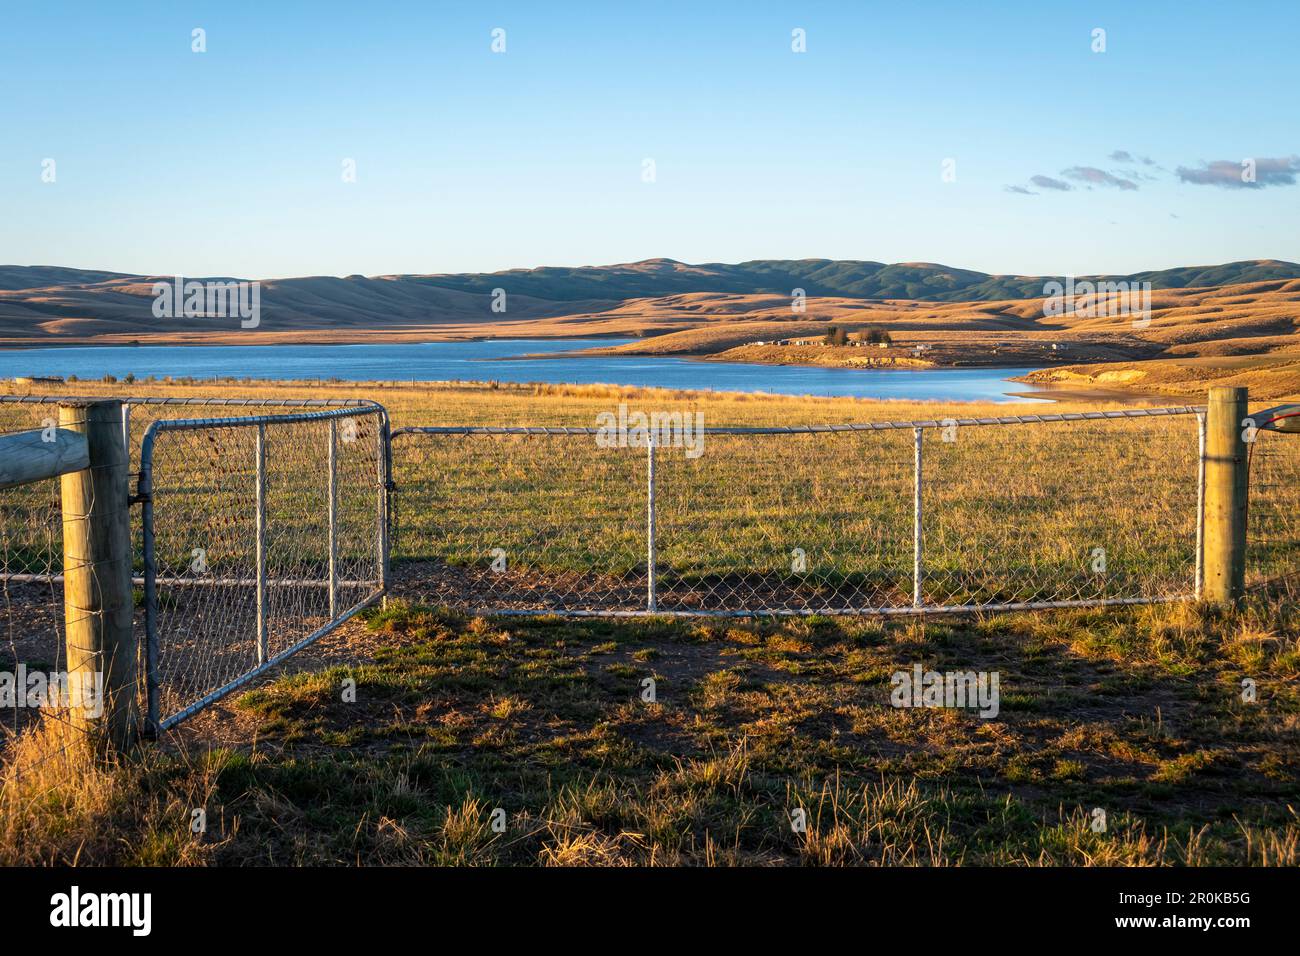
(1273, 525)
(31, 589)
(789, 521)
(887, 517)
(519, 520)
(260, 534)
(1050, 513)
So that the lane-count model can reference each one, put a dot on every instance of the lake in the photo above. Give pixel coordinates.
(499, 360)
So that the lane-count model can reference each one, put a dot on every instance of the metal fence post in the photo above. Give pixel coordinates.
(384, 469)
(1200, 505)
(333, 517)
(651, 597)
(145, 489)
(917, 538)
(260, 455)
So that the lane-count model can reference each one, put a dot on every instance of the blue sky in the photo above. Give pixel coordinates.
(229, 162)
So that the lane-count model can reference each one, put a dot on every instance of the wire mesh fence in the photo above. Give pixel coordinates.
(1273, 527)
(538, 520)
(260, 534)
(39, 687)
(890, 517)
(31, 588)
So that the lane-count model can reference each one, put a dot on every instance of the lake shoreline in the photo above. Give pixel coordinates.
(1054, 395)
(526, 361)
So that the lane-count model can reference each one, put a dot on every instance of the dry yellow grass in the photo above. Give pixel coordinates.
(60, 803)
(421, 403)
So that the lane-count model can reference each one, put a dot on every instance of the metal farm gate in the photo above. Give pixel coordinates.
(260, 535)
(251, 537)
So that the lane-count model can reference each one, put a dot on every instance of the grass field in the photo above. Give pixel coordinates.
(1137, 712)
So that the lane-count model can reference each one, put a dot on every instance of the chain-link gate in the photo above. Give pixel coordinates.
(261, 534)
(1018, 512)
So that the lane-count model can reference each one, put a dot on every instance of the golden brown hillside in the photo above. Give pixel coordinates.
(1244, 333)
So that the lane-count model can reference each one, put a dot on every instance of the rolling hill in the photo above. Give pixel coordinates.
(44, 305)
(923, 281)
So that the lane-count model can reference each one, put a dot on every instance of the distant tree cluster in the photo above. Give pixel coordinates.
(874, 336)
(835, 335)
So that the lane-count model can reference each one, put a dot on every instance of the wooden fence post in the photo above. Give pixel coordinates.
(97, 598)
(1225, 495)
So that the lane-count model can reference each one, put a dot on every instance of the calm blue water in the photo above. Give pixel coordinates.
(495, 360)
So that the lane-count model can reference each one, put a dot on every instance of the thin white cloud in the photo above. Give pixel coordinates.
(1047, 182)
(1098, 177)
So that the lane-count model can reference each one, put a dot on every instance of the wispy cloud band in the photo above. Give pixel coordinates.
(1247, 174)
(1224, 173)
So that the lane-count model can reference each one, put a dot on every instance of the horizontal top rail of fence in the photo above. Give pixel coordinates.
(188, 400)
(812, 429)
(235, 421)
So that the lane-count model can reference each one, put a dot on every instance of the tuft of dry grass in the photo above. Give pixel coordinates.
(64, 803)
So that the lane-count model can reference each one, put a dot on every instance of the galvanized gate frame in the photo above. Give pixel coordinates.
(155, 723)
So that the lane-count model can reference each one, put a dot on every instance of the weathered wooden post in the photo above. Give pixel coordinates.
(1225, 495)
(97, 577)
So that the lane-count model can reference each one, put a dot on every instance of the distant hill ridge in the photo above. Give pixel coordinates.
(651, 278)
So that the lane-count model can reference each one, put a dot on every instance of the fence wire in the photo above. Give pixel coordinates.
(1083, 512)
(1273, 525)
(892, 517)
(34, 616)
(544, 522)
(31, 587)
(208, 500)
